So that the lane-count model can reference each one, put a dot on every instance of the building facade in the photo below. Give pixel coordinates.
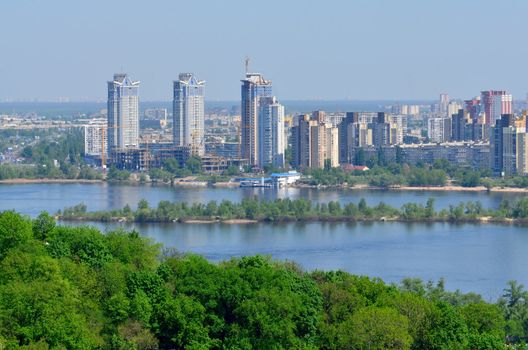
(95, 139)
(123, 113)
(271, 136)
(494, 104)
(253, 88)
(188, 113)
(439, 129)
(315, 142)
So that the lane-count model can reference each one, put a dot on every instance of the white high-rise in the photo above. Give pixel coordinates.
(188, 113)
(271, 137)
(96, 138)
(439, 129)
(123, 113)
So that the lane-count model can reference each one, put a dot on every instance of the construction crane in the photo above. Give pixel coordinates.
(246, 64)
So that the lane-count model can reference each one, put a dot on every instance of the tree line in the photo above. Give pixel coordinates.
(53, 157)
(302, 210)
(76, 288)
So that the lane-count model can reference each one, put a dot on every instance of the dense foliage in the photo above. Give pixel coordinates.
(301, 210)
(76, 288)
(379, 176)
(53, 157)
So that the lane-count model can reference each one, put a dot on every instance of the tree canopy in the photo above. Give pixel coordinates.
(76, 288)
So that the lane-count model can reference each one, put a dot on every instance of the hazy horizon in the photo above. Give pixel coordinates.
(340, 50)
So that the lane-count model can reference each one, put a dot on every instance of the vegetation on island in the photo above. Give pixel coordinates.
(302, 210)
(75, 288)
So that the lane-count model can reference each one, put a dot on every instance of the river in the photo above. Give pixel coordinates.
(479, 258)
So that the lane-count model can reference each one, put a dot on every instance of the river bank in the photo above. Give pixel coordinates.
(51, 181)
(202, 184)
(339, 219)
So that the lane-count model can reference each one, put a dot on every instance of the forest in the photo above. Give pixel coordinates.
(67, 287)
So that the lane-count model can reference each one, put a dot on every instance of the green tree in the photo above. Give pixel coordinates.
(43, 225)
(375, 328)
(14, 230)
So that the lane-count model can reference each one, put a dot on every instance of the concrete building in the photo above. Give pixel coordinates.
(96, 139)
(522, 153)
(314, 142)
(123, 112)
(458, 125)
(346, 138)
(475, 155)
(271, 136)
(332, 145)
(452, 108)
(439, 129)
(494, 104)
(253, 88)
(444, 102)
(472, 107)
(503, 146)
(188, 113)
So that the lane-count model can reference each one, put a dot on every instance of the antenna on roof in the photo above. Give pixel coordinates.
(246, 63)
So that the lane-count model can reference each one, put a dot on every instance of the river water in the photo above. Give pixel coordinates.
(479, 258)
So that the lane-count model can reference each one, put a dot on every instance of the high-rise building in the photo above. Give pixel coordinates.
(123, 113)
(271, 137)
(452, 108)
(381, 130)
(346, 146)
(458, 126)
(332, 145)
(473, 107)
(503, 145)
(522, 153)
(443, 105)
(188, 113)
(494, 104)
(315, 142)
(439, 129)
(95, 139)
(254, 86)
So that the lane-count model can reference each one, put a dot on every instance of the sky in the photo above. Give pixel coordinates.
(329, 50)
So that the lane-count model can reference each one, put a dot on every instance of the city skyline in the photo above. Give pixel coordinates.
(360, 43)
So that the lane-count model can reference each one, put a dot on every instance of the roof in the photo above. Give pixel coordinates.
(285, 174)
(124, 79)
(256, 78)
(189, 79)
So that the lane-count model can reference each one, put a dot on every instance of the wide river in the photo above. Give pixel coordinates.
(479, 258)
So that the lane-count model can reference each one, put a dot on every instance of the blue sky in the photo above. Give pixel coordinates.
(355, 49)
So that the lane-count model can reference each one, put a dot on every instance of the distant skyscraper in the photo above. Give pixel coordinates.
(123, 113)
(439, 129)
(473, 108)
(188, 113)
(271, 143)
(444, 102)
(494, 104)
(253, 88)
(346, 146)
(458, 125)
